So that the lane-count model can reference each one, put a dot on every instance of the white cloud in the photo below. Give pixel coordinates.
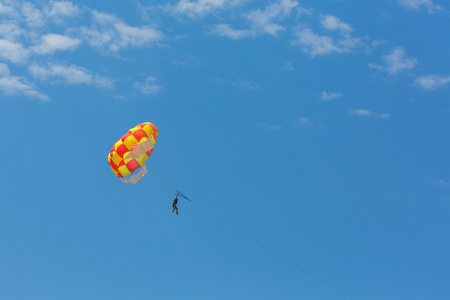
(245, 84)
(301, 11)
(10, 31)
(33, 16)
(378, 43)
(149, 86)
(14, 85)
(227, 31)
(315, 44)
(287, 66)
(136, 36)
(332, 23)
(261, 21)
(70, 74)
(340, 40)
(432, 82)
(114, 34)
(271, 127)
(185, 60)
(200, 8)
(377, 67)
(13, 52)
(383, 116)
(442, 183)
(119, 97)
(54, 42)
(96, 37)
(54, 10)
(360, 112)
(4, 70)
(418, 4)
(330, 96)
(8, 10)
(368, 114)
(304, 121)
(58, 9)
(396, 62)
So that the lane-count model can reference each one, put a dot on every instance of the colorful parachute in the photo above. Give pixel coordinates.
(131, 151)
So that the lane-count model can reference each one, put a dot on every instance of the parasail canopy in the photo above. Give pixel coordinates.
(131, 151)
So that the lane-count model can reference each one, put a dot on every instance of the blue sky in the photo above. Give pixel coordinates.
(319, 127)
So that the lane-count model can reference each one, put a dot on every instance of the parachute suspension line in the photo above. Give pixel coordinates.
(161, 189)
(180, 194)
(267, 247)
(166, 185)
(166, 161)
(160, 174)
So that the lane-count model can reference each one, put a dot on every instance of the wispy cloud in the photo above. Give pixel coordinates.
(287, 66)
(330, 96)
(227, 31)
(261, 21)
(432, 82)
(245, 84)
(315, 44)
(396, 62)
(340, 40)
(10, 30)
(429, 5)
(304, 121)
(61, 9)
(24, 30)
(33, 16)
(200, 8)
(237, 82)
(36, 17)
(185, 60)
(271, 127)
(332, 23)
(8, 9)
(56, 42)
(70, 74)
(368, 114)
(15, 85)
(378, 43)
(109, 32)
(148, 86)
(14, 52)
(29, 29)
(442, 183)
(22, 24)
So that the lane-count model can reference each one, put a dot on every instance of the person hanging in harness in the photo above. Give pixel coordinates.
(174, 204)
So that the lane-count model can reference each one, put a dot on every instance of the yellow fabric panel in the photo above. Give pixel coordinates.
(133, 129)
(130, 141)
(116, 158)
(124, 171)
(125, 155)
(148, 130)
(141, 160)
